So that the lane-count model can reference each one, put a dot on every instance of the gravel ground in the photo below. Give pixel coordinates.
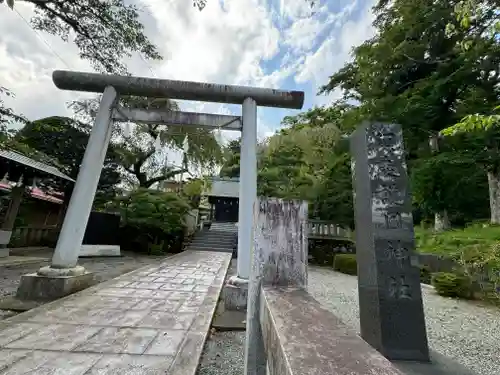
(104, 269)
(223, 354)
(465, 331)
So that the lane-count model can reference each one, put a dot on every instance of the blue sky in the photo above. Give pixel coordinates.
(280, 44)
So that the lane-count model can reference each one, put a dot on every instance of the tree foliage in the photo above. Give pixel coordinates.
(64, 141)
(306, 160)
(449, 181)
(231, 159)
(152, 208)
(430, 65)
(105, 31)
(309, 161)
(142, 163)
(7, 115)
(415, 73)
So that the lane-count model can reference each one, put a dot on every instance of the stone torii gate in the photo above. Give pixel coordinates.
(64, 262)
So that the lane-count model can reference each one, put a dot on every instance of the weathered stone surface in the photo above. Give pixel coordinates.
(55, 337)
(131, 364)
(119, 327)
(50, 271)
(4, 252)
(42, 362)
(100, 251)
(301, 337)
(119, 340)
(391, 311)
(235, 296)
(189, 355)
(166, 343)
(36, 287)
(279, 259)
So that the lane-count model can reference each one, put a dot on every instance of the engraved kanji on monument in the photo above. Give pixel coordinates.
(390, 299)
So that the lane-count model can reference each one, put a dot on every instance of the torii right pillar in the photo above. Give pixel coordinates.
(236, 291)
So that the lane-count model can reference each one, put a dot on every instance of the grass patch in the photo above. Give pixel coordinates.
(476, 252)
(453, 241)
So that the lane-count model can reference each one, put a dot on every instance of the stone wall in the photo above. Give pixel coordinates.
(301, 337)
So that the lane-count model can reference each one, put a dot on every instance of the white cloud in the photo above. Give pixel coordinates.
(336, 49)
(230, 41)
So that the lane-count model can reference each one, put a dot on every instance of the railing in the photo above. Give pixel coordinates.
(288, 331)
(33, 236)
(326, 229)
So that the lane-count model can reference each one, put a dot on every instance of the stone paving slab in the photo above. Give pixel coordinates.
(154, 320)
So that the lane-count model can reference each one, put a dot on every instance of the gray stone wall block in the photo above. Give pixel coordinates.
(301, 337)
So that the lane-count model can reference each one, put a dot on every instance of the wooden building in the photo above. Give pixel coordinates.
(223, 198)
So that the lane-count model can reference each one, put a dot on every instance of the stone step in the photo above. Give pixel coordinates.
(224, 238)
(215, 235)
(210, 246)
(213, 244)
(214, 238)
(215, 232)
(223, 234)
(210, 249)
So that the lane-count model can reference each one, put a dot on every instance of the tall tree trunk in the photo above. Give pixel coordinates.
(494, 188)
(441, 220)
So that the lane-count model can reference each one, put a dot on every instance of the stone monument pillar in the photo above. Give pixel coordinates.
(390, 298)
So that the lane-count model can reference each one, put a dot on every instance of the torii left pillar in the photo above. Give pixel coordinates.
(63, 276)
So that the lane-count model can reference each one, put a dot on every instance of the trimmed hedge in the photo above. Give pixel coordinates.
(449, 284)
(346, 263)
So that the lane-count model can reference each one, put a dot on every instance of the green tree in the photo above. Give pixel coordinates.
(104, 31)
(7, 115)
(64, 141)
(231, 159)
(142, 163)
(309, 160)
(416, 72)
(193, 189)
(477, 137)
(156, 217)
(449, 182)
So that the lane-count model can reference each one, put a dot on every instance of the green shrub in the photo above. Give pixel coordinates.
(481, 264)
(156, 217)
(156, 249)
(425, 274)
(346, 263)
(449, 284)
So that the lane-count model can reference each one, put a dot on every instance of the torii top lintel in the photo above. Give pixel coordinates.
(184, 90)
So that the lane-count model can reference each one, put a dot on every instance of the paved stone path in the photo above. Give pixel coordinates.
(151, 321)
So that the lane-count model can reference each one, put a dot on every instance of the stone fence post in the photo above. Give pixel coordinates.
(279, 258)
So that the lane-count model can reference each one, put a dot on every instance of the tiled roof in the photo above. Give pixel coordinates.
(21, 159)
